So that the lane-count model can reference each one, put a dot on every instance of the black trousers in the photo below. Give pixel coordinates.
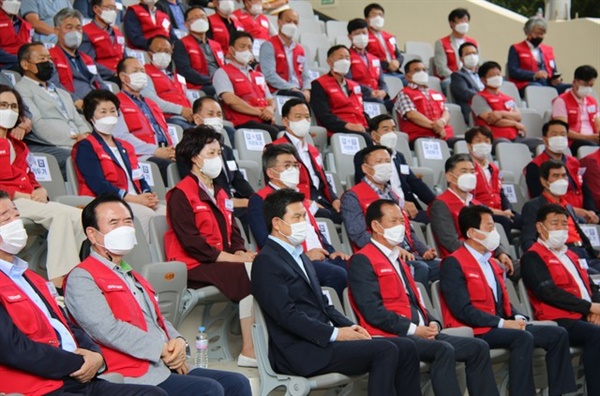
(521, 343)
(98, 387)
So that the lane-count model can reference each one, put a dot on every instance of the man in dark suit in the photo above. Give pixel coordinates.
(554, 179)
(403, 180)
(561, 290)
(465, 83)
(388, 304)
(474, 294)
(307, 335)
(42, 351)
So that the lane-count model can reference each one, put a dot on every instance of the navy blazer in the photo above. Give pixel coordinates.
(88, 164)
(299, 319)
(463, 89)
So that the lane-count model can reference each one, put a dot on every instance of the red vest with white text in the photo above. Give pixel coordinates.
(498, 102)
(219, 29)
(347, 108)
(63, 67)
(16, 176)
(252, 91)
(432, 108)
(365, 74)
(527, 61)
(167, 89)
(138, 124)
(574, 110)
(375, 48)
(257, 26)
(281, 63)
(451, 58)
(197, 57)
(108, 54)
(162, 27)
(488, 192)
(482, 297)
(574, 195)
(11, 41)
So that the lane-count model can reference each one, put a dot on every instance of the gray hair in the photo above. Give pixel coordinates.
(66, 13)
(533, 23)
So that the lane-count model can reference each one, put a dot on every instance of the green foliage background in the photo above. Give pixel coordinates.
(585, 8)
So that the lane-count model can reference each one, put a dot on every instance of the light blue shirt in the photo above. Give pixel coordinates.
(295, 252)
(15, 272)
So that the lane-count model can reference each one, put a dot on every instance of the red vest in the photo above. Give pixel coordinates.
(136, 121)
(432, 108)
(573, 110)
(252, 91)
(365, 74)
(113, 172)
(197, 58)
(219, 29)
(451, 58)
(11, 41)
(527, 61)
(167, 89)
(375, 48)
(481, 294)
(16, 177)
(206, 222)
(574, 195)
(488, 192)
(258, 28)
(32, 322)
(108, 54)
(63, 67)
(497, 102)
(124, 307)
(281, 63)
(563, 279)
(347, 108)
(393, 292)
(149, 28)
(317, 163)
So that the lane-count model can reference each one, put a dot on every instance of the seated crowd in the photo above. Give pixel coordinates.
(111, 91)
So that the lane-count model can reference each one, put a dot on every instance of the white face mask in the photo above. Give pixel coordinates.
(300, 128)
(212, 167)
(120, 241)
(467, 182)
(389, 140)
(256, 9)
(377, 22)
(226, 6)
(108, 16)
(14, 237)
(299, 233)
(289, 30)
(582, 92)
(11, 7)
(471, 61)
(360, 41)
(138, 81)
(199, 26)
(106, 125)
(243, 57)
(215, 122)
(421, 78)
(290, 177)
(73, 39)
(394, 235)
(558, 144)
(462, 28)
(341, 66)
(383, 172)
(491, 241)
(559, 187)
(161, 60)
(8, 118)
(482, 150)
(495, 82)
(556, 238)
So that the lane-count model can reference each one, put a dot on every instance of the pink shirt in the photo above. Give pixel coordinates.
(559, 109)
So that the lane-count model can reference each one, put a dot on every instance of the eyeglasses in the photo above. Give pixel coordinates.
(6, 105)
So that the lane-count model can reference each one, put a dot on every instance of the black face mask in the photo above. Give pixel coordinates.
(536, 41)
(45, 70)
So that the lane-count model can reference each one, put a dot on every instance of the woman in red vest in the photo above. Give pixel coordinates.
(202, 232)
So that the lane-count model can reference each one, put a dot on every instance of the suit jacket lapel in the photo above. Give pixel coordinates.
(312, 278)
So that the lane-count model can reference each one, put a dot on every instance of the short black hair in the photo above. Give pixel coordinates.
(547, 166)
(546, 126)
(374, 211)
(189, 10)
(96, 3)
(293, 102)
(276, 203)
(455, 159)
(331, 50)
(89, 216)
(198, 103)
(94, 98)
(470, 217)
(355, 24)
(158, 36)
(4, 195)
(471, 133)
(549, 208)
(367, 151)
(465, 45)
(371, 7)
(375, 121)
(238, 35)
(410, 63)
(270, 154)
(585, 73)
(192, 142)
(281, 14)
(458, 13)
(486, 67)
(24, 52)
(18, 97)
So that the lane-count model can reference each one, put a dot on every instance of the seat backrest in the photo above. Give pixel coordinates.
(417, 227)
(140, 254)
(513, 157)
(408, 57)
(525, 302)
(533, 122)
(514, 195)
(335, 182)
(436, 85)
(309, 25)
(329, 231)
(509, 88)
(260, 337)
(436, 299)
(423, 49)
(154, 179)
(250, 143)
(13, 76)
(460, 147)
(430, 237)
(586, 150)
(540, 98)
(343, 40)
(333, 298)
(592, 231)
(173, 176)
(304, 9)
(456, 119)
(423, 290)
(279, 102)
(373, 109)
(402, 146)
(336, 28)
(349, 312)
(157, 229)
(394, 85)
(169, 280)
(72, 184)
(175, 132)
(344, 146)
(47, 173)
(252, 172)
(514, 296)
(432, 153)
(249, 240)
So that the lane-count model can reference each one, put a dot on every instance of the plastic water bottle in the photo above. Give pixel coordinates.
(201, 358)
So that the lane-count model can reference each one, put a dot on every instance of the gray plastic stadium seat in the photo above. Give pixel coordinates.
(48, 174)
(335, 182)
(586, 150)
(456, 119)
(348, 311)
(154, 179)
(402, 146)
(175, 132)
(533, 122)
(157, 228)
(252, 172)
(509, 88)
(72, 184)
(336, 28)
(173, 176)
(343, 147)
(436, 84)
(423, 49)
(304, 9)
(250, 143)
(460, 147)
(329, 230)
(432, 153)
(140, 255)
(540, 98)
(169, 280)
(513, 157)
(394, 85)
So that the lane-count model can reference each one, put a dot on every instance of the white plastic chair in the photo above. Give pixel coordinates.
(336, 28)
(423, 49)
(343, 147)
(513, 157)
(540, 98)
(533, 122)
(432, 153)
